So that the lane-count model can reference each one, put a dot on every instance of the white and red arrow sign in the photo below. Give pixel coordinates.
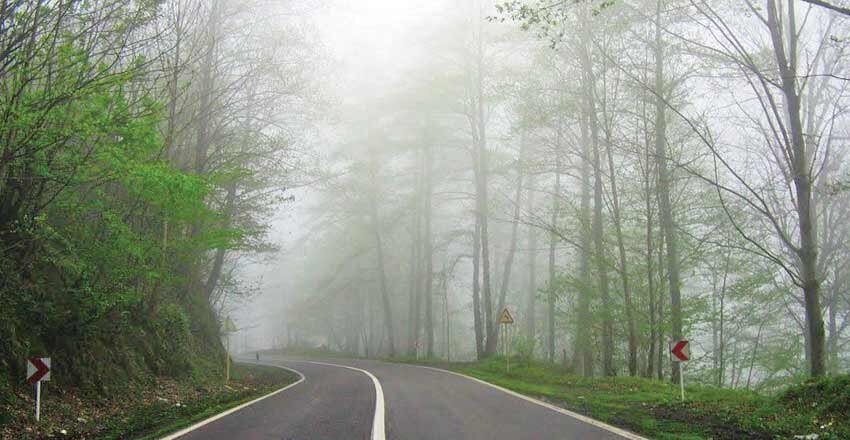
(38, 369)
(680, 351)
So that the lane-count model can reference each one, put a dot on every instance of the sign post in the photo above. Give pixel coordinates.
(681, 353)
(505, 319)
(38, 369)
(229, 327)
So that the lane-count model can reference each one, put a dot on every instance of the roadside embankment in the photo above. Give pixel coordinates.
(137, 411)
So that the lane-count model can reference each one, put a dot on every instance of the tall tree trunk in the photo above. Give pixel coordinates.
(480, 255)
(485, 271)
(662, 325)
(202, 141)
(665, 207)
(735, 371)
(715, 343)
(650, 269)
(483, 172)
(173, 84)
(198, 163)
(530, 312)
(553, 241)
(597, 222)
(416, 319)
(800, 167)
(624, 269)
(413, 289)
(476, 288)
(170, 130)
(218, 261)
(833, 336)
(721, 362)
(602, 268)
(584, 320)
(429, 260)
(509, 258)
(379, 251)
(754, 353)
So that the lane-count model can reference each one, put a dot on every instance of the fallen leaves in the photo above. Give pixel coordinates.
(71, 414)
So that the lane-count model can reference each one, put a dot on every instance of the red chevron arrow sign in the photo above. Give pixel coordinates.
(680, 351)
(38, 369)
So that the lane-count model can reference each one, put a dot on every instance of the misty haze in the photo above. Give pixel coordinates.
(439, 219)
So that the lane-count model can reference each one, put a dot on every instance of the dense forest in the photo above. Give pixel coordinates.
(144, 146)
(619, 174)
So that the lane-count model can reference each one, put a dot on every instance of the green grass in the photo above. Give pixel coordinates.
(654, 409)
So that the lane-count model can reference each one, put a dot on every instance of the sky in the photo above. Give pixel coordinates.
(370, 41)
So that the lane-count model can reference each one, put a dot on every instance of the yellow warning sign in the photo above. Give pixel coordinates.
(229, 326)
(505, 317)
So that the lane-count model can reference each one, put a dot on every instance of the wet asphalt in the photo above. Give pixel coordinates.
(420, 404)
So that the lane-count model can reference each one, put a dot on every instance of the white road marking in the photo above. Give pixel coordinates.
(621, 432)
(378, 428)
(185, 431)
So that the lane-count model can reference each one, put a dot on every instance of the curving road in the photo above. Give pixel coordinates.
(358, 399)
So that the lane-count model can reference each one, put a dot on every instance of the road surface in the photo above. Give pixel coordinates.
(344, 399)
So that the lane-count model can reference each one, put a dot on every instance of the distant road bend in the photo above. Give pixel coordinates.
(359, 399)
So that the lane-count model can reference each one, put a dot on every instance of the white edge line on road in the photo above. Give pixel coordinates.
(621, 432)
(378, 428)
(185, 431)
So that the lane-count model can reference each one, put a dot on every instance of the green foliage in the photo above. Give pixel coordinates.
(171, 327)
(94, 258)
(524, 349)
(828, 399)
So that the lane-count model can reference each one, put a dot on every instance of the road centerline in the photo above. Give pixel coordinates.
(378, 422)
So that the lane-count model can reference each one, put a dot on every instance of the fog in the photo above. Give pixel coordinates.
(575, 188)
(619, 175)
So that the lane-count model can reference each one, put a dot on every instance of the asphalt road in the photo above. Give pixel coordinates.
(341, 401)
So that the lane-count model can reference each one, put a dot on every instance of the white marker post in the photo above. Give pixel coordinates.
(682, 379)
(37, 401)
(681, 354)
(506, 345)
(38, 369)
(229, 327)
(227, 360)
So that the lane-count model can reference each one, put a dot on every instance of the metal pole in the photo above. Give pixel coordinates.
(37, 400)
(508, 345)
(507, 348)
(682, 380)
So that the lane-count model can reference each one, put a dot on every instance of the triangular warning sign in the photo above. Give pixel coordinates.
(505, 317)
(229, 326)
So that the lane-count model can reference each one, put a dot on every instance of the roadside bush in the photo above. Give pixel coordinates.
(171, 326)
(524, 349)
(828, 398)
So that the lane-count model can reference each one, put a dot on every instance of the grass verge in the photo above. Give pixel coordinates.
(653, 408)
(141, 412)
